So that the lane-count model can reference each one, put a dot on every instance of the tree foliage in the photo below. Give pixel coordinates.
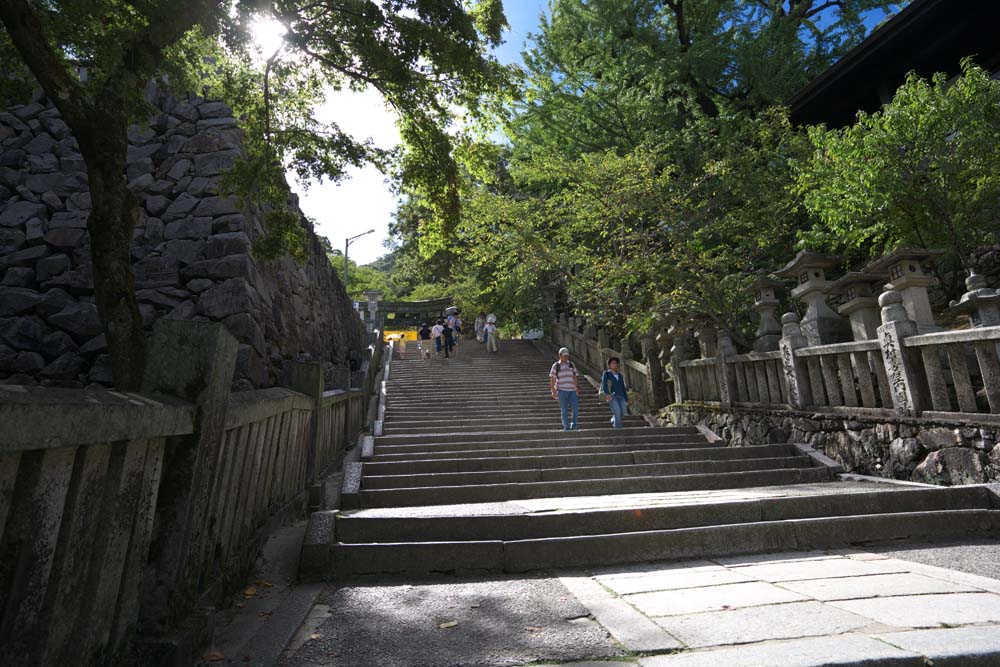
(646, 164)
(924, 171)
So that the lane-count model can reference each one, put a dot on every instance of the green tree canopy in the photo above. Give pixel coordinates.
(924, 171)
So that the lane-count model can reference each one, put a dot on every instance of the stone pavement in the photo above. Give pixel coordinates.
(840, 607)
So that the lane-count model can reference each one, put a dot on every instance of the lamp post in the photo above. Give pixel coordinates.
(347, 244)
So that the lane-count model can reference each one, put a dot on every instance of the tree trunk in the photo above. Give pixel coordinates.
(111, 222)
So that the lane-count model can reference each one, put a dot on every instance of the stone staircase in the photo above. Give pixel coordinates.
(473, 472)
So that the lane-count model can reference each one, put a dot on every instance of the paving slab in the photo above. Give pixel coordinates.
(497, 621)
(711, 598)
(630, 628)
(776, 558)
(840, 651)
(951, 647)
(927, 611)
(673, 580)
(756, 624)
(875, 586)
(819, 568)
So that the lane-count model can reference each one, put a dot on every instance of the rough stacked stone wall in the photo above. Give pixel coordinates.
(913, 450)
(192, 252)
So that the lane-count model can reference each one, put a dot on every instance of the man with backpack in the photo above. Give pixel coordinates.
(563, 382)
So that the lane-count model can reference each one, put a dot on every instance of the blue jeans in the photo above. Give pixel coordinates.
(619, 408)
(567, 400)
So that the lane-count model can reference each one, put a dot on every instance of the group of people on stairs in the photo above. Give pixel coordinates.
(443, 337)
(564, 383)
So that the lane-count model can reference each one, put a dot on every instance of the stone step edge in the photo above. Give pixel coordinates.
(781, 449)
(446, 495)
(605, 521)
(469, 478)
(516, 556)
(476, 453)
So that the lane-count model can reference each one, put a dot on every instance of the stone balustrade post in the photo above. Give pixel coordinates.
(903, 366)
(725, 374)
(193, 361)
(655, 388)
(306, 377)
(680, 351)
(707, 341)
(603, 343)
(795, 371)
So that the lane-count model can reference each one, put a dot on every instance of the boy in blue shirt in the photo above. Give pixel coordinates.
(614, 392)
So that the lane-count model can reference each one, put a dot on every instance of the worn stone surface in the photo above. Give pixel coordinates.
(192, 248)
(497, 622)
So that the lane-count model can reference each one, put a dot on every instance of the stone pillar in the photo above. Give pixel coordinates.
(680, 351)
(794, 369)
(655, 388)
(979, 303)
(603, 343)
(820, 325)
(765, 304)
(903, 366)
(626, 352)
(664, 342)
(707, 340)
(725, 374)
(193, 361)
(306, 377)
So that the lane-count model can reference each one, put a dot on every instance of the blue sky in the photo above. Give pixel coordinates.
(365, 201)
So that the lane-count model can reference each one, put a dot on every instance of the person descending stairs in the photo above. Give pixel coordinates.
(472, 471)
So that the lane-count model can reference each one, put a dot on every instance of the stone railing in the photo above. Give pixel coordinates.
(121, 514)
(948, 374)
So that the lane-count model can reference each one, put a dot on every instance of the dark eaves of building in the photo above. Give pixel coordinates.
(926, 37)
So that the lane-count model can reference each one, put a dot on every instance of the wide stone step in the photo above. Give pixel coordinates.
(542, 450)
(681, 543)
(463, 425)
(608, 435)
(477, 523)
(492, 477)
(445, 495)
(521, 460)
(464, 441)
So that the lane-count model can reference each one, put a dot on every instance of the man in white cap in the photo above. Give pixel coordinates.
(563, 382)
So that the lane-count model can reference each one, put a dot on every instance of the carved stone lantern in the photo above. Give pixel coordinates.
(820, 325)
(707, 335)
(860, 292)
(765, 303)
(907, 276)
(373, 296)
(980, 304)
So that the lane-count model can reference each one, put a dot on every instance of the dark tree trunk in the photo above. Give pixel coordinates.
(111, 221)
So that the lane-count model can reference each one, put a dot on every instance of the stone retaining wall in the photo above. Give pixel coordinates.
(918, 450)
(192, 252)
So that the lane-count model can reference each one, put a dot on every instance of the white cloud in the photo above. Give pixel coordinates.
(363, 201)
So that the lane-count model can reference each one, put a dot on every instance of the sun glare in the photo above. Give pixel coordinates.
(268, 35)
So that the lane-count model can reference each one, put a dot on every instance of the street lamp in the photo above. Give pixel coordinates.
(347, 244)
